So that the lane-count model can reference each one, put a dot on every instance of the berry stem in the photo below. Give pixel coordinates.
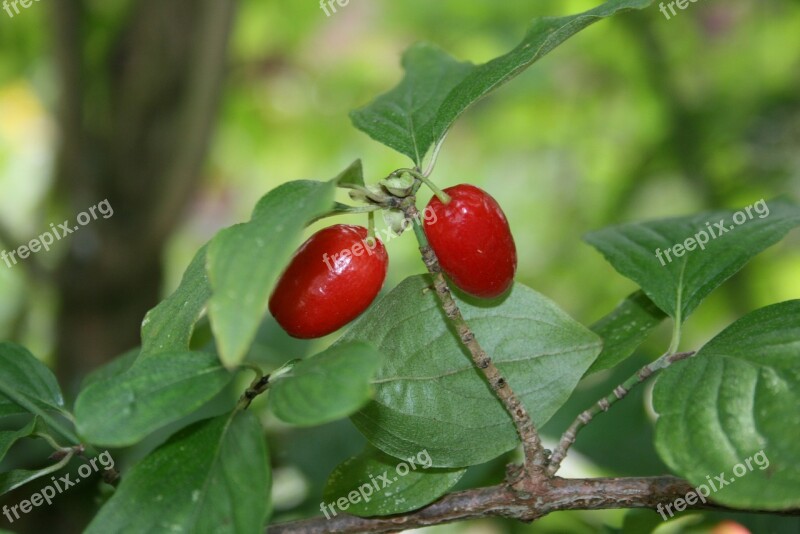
(441, 195)
(531, 443)
(371, 224)
(619, 393)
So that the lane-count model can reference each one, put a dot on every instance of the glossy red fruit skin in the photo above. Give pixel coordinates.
(471, 237)
(321, 291)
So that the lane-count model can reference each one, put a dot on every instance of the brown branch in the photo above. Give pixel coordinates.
(557, 495)
(535, 458)
(619, 393)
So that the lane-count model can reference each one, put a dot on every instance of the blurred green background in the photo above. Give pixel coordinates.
(141, 102)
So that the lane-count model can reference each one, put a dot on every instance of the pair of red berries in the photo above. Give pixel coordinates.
(337, 273)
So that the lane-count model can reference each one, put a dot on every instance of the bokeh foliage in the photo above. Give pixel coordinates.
(638, 117)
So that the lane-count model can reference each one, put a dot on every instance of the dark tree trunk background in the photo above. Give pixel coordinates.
(135, 127)
(138, 100)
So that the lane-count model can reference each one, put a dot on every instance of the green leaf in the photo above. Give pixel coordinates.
(403, 118)
(638, 521)
(12, 480)
(543, 35)
(680, 285)
(168, 327)
(624, 329)
(122, 410)
(328, 386)
(352, 175)
(245, 261)
(738, 396)
(26, 384)
(375, 483)
(430, 396)
(112, 369)
(9, 437)
(437, 89)
(213, 476)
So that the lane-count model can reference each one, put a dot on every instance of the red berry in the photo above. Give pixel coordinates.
(471, 238)
(332, 278)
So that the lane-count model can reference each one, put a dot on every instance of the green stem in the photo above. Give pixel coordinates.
(49, 439)
(262, 383)
(44, 472)
(255, 368)
(419, 232)
(676, 335)
(371, 224)
(68, 416)
(110, 476)
(676, 327)
(46, 417)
